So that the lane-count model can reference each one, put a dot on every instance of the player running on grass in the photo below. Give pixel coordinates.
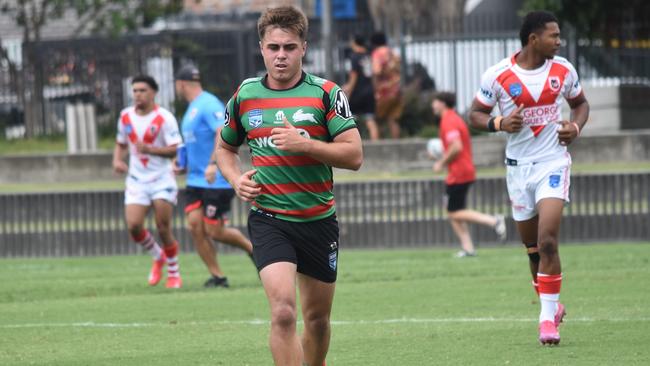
(208, 195)
(297, 126)
(529, 88)
(149, 134)
(461, 174)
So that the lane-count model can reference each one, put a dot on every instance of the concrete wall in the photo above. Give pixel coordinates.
(399, 155)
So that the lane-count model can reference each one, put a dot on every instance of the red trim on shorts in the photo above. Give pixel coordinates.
(193, 206)
(210, 221)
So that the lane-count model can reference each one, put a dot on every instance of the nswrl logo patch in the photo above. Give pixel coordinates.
(554, 181)
(255, 118)
(515, 89)
(333, 256)
(333, 261)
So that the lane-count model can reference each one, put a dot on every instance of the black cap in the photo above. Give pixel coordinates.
(188, 73)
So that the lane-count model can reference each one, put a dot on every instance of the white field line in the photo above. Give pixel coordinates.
(333, 322)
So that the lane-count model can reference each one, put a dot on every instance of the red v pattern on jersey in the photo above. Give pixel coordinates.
(536, 113)
(150, 135)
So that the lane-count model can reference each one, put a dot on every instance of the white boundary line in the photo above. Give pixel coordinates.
(333, 322)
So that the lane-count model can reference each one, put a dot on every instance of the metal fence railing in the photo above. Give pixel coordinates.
(605, 207)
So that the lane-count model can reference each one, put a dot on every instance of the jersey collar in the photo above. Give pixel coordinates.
(266, 85)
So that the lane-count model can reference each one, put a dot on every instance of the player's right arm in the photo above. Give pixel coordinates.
(121, 149)
(229, 165)
(484, 102)
(119, 154)
(226, 155)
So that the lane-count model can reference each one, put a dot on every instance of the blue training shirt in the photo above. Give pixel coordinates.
(203, 117)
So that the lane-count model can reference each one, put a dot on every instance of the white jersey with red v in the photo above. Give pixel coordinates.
(541, 91)
(158, 129)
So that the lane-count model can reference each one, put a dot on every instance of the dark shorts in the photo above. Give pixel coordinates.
(456, 196)
(312, 246)
(215, 202)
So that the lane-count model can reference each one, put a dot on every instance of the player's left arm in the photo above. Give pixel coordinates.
(570, 130)
(574, 95)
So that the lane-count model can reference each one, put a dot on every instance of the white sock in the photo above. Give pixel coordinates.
(172, 267)
(151, 246)
(549, 306)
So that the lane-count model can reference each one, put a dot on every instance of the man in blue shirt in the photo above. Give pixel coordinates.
(207, 203)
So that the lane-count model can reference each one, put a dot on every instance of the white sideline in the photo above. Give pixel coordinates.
(334, 322)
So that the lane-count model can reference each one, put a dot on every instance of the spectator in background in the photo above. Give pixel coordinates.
(208, 194)
(386, 80)
(149, 135)
(359, 88)
(457, 157)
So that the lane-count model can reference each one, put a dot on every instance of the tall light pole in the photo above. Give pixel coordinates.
(326, 41)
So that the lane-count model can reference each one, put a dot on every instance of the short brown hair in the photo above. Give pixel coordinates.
(285, 17)
(446, 97)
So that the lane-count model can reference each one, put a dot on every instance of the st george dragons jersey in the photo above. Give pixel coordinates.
(295, 187)
(158, 129)
(541, 92)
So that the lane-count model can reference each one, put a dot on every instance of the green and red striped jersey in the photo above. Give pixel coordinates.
(295, 187)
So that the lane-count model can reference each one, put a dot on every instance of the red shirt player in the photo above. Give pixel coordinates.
(457, 146)
(529, 88)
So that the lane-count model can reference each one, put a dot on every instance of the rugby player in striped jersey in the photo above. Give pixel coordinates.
(297, 126)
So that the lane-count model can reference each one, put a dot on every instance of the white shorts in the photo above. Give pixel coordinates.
(143, 193)
(529, 183)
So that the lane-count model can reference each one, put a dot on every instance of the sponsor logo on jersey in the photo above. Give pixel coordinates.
(515, 89)
(301, 116)
(267, 141)
(486, 93)
(554, 83)
(128, 129)
(255, 118)
(341, 105)
(540, 115)
(279, 117)
(152, 129)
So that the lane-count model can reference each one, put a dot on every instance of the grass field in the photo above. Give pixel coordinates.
(392, 307)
